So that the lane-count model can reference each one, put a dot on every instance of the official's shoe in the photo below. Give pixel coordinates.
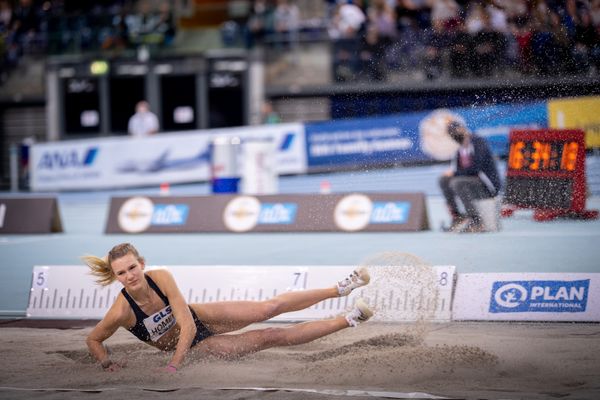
(359, 314)
(458, 224)
(359, 277)
(473, 227)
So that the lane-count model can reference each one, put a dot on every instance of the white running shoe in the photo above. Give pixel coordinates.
(360, 313)
(359, 277)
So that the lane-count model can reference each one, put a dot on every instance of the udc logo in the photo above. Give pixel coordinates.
(511, 295)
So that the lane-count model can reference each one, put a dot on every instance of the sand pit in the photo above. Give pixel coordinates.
(455, 360)
(377, 359)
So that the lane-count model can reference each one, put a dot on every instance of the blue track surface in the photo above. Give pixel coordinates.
(523, 245)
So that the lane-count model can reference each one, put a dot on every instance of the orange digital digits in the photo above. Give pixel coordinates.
(541, 156)
(515, 155)
(569, 156)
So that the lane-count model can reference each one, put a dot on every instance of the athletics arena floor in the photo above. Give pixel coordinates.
(496, 360)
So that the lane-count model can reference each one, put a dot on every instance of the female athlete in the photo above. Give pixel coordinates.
(152, 308)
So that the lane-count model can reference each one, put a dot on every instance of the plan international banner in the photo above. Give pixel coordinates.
(527, 297)
(171, 157)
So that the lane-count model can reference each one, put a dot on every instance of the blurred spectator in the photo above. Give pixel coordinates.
(5, 15)
(260, 22)
(551, 43)
(347, 22)
(587, 43)
(25, 20)
(541, 46)
(412, 17)
(372, 55)
(411, 14)
(286, 20)
(381, 33)
(346, 28)
(514, 9)
(498, 20)
(142, 23)
(144, 122)
(23, 30)
(445, 14)
(595, 13)
(489, 50)
(563, 43)
(475, 17)
(522, 34)
(5, 18)
(165, 24)
(381, 16)
(117, 36)
(462, 45)
(268, 114)
(436, 40)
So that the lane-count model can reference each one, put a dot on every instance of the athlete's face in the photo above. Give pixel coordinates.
(128, 270)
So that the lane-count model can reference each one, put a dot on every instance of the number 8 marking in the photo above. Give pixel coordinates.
(443, 279)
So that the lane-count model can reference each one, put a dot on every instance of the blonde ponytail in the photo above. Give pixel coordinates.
(100, 269)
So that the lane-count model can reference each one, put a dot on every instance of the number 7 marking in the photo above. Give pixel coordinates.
(297, 277)
(300, 284)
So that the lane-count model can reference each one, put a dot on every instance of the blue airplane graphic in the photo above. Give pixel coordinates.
(163, 163)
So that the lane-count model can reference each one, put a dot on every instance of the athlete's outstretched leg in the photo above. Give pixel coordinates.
(222, 317)
(260, 339)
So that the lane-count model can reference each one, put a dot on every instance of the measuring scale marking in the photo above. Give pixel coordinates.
(71, 293)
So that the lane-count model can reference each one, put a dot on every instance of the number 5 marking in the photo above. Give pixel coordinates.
(41, 279)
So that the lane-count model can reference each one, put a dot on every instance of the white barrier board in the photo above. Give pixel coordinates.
(527, 297)
(69, 292)
(178, 157)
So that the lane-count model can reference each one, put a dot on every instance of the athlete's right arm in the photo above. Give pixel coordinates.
(105, 329)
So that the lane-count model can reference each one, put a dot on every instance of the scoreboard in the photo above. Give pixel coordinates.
(546, 172)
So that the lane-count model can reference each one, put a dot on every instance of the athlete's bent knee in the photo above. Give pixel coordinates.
(270, 308)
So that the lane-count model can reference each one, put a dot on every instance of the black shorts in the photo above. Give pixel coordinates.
(202, 332)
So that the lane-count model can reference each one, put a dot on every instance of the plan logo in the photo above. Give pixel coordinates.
(61, 159)
(539, 296)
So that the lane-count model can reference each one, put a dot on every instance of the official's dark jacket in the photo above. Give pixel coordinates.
(482, 165)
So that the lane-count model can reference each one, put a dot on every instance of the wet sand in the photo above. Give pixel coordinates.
(452, 360)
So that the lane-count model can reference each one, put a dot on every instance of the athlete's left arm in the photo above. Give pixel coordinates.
(187, 328)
